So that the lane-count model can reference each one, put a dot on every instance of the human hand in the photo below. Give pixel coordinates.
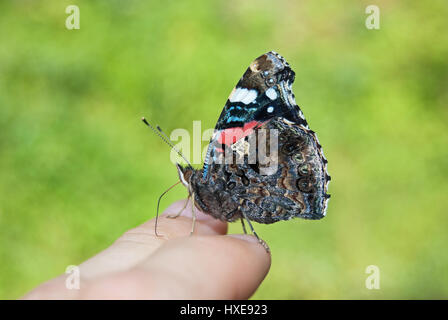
(140, 265)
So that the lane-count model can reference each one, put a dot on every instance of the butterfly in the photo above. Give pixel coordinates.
(263, 162)
(234, 183)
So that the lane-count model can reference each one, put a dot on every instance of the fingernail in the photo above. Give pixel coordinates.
(244, 237)
(251, 239)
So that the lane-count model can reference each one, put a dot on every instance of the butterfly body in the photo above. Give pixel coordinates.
(263, 162)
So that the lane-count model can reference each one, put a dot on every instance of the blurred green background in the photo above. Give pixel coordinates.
(78, 168)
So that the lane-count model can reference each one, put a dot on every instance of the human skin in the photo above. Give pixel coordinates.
(210, 264)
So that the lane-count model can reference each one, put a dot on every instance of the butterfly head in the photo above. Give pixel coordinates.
(185, 174)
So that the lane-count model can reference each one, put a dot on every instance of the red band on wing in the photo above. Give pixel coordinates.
(231, 135)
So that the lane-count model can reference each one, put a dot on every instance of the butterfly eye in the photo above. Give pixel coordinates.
(270, 82)
(298, 157)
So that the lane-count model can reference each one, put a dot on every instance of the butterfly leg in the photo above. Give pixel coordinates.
(244, 226)
(174, 216)
(262, 242)
(251, 227)
(193, 215)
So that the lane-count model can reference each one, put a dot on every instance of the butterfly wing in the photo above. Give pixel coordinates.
(262, 94)
(297, 181)
(263, 99)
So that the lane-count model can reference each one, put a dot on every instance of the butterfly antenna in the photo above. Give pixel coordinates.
(163, 133)
(165, 139)
(158, 206)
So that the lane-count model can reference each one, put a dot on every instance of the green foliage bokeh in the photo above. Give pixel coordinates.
(77, 167)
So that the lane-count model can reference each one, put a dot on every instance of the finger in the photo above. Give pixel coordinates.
(135, 246)
(198, 267)
(54, 289)
(139, 243)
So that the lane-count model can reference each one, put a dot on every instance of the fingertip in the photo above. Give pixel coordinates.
(221, 267)
(252, 240)
(258, 248)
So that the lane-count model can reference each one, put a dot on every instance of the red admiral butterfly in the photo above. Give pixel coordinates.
(250, 190)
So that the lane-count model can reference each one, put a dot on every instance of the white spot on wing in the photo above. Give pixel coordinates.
(239, 94)
(243, 95)
(250, 97)
(271, 93)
